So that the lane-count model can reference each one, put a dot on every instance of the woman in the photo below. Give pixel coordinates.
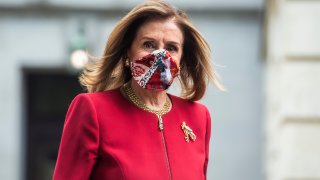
(127, 126)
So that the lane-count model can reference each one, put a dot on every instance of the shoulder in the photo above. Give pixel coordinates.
(188, 105)
(104, 103)
(99, 97)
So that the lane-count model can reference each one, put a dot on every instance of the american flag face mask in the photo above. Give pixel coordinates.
(155, 71)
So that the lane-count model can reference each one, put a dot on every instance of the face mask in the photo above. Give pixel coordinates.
(155, 71)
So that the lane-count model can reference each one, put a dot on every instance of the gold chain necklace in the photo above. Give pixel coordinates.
(128, 92)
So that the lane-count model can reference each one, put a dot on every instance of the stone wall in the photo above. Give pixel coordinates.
(293, 90)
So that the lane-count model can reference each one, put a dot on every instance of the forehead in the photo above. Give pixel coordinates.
(161, 29)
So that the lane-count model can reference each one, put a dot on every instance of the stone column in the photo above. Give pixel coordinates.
(293, 90)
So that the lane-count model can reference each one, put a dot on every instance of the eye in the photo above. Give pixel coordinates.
(148, 45)
(172, 48)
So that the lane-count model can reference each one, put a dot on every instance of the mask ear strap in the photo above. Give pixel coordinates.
(178, 73)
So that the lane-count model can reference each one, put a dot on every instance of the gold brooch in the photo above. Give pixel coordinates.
(188, 132)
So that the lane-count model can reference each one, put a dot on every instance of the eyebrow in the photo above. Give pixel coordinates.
(152, 39)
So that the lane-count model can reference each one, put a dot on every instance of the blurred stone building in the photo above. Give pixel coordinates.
(266, 126)
(293, 90)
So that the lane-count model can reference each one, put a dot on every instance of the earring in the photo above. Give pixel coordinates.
(126, 62)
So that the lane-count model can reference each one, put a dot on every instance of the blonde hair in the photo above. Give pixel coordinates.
(109, 71)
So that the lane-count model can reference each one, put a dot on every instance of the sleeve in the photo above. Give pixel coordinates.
(207, 142)
(79, 142)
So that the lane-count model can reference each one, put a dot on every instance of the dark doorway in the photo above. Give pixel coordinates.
(48, 93)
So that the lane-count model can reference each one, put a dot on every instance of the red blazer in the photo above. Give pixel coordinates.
(106, 137)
